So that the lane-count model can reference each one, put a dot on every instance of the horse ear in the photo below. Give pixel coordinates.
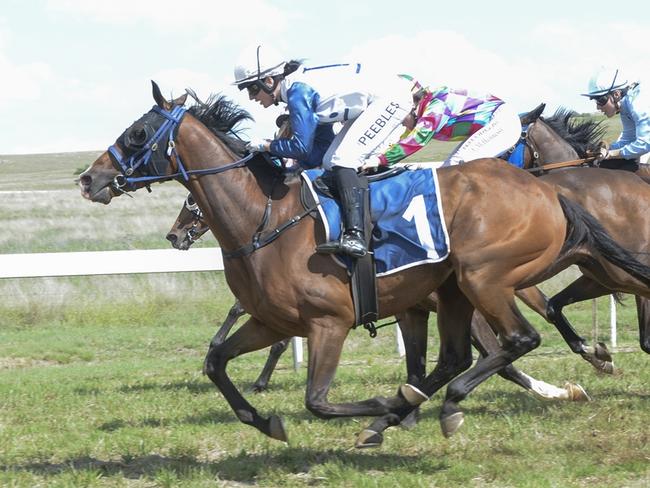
(533, 115)
(158, 96)
(180, 100)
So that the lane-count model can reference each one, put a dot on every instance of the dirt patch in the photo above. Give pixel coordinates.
(14, 363)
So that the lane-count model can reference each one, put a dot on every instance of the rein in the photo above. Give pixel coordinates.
(142, 158)
(562, 164)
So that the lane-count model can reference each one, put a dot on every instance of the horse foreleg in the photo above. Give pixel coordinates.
(643, 315)
(277, 349)
(251, 336)
(234, 313)
(582, 289)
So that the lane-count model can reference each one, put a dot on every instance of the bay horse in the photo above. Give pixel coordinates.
(497, 245)
(616, 199)
(190, 226)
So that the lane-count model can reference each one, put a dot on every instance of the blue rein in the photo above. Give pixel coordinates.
(142, 158)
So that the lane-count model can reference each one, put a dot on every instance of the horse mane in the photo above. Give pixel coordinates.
(582, 134)
(221, 115)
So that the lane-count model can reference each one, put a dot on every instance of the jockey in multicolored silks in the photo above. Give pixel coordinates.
(485, 124)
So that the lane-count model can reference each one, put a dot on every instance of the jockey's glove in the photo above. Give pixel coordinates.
(605, 153)
(371, 163)
(258, 145)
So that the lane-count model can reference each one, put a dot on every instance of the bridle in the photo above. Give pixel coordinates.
(143, 162)
(530, 144)
(536, 163)
(149, 161)
(191, 206)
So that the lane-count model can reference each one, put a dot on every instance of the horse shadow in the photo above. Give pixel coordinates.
(241, 467)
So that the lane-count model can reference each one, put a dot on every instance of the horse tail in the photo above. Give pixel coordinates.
(584, 229)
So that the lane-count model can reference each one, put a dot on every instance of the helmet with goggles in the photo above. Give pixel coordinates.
(256, 63)
(604, 81)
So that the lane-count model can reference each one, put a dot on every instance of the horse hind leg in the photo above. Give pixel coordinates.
(643, 315)
(455, 356)
(413, 324)
(582, 289)
(485, 341)
(517, 336)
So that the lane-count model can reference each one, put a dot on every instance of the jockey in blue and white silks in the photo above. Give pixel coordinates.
(323, 95)
(614, 93)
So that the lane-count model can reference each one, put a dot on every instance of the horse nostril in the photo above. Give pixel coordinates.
(85, 180)
(171, 238)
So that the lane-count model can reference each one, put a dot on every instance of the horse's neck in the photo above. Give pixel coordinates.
(233, 202)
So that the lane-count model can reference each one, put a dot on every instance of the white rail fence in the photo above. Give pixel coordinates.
(152, 261)
(89, 263)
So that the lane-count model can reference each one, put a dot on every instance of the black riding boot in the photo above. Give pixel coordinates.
(352, 241)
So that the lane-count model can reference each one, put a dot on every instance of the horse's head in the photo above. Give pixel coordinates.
(562, 137)
(189, 225)
(143, 153)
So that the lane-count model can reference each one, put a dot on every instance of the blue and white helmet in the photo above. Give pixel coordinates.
(256, 63)
(605, 80)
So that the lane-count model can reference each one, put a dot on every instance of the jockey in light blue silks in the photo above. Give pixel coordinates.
(323, 95)
(615, 93)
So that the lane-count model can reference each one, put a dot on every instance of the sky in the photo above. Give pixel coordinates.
(75, 73)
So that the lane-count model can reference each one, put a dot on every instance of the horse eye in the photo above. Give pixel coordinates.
(190, 200)
(136, 136)
(140, 136)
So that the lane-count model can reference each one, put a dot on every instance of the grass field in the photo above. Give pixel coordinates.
(100, 381)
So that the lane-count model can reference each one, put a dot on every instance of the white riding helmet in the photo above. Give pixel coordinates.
(604, 81)
(256, 63)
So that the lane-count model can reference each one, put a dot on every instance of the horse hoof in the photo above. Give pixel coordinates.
(257, 389)
(276, 429)
(368, 438)
(412, 395)
(577, 393)
(602, 353)
(451, 424)
(605, 367)
(411, 420)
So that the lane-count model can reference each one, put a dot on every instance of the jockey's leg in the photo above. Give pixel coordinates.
(352, 241)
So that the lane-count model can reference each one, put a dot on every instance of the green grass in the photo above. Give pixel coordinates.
(111, 394)
(100, 381)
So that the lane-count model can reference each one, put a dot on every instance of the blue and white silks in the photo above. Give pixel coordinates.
(406, 211)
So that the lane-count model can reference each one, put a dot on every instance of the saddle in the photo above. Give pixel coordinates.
(407, 226)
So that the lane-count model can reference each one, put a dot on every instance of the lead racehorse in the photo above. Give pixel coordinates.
(190, 226)
(497, 245)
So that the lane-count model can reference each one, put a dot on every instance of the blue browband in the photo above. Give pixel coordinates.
(141, 159)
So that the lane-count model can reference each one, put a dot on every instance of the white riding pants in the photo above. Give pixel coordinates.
(497, 136)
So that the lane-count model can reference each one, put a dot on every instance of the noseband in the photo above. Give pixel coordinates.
(192, 207)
